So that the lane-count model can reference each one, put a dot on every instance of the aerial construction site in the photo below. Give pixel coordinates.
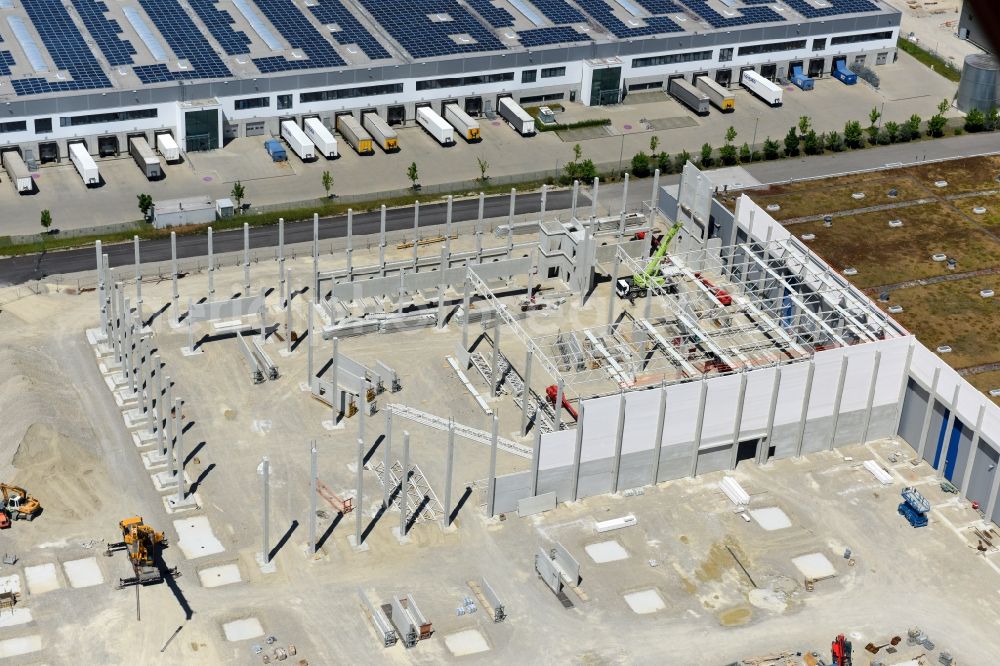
(671, 434)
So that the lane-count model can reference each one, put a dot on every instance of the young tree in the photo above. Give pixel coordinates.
(411, 173)
(654, 141)
(145, 204)
(483, 166)
(873, 116)
(728, 154)
(892, 131)
(852, 134)
(327, 182)
(804, 125)
(238, 193)
(943, 106)
(730, 134)
(811, 143)
(705, 158)
(640, 165)
(665, 164)
(992, 120)
(745, 154)
(936, 124)
(46, 222)
(680, 159)
(577, 152)
(771, 149)
(834, 142)
(791, 143)
(975, 121)
(913, 125)
(586, 170)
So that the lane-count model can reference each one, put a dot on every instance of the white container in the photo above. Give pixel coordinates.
(144, 157)
(297, 140)
(719, 96)
(84, 164)
(615, 523)
(435, 125)
(466, 125)
(515, 116)
(355, 134)
(761, 87)
(167, 147)
(688, 95)
(17, 171)
(383, 135)
(322, 138)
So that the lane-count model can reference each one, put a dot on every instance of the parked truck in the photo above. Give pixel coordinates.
(17, 171)
(297, 140)
(801, 80)
(84, 164)
(322, 138)
(168, 147)
(144, 157)
(515, 116)
(466, 125)
(435, 125)
(355, 134)
(382, 134)
(689, 96)
(761, 87)
(717, 95)
(275, 150)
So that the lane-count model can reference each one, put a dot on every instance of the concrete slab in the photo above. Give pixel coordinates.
(15, 647)
(771, 518)
(174, 505)
(814, 565)
(645, 602)
(10, 583)
(15, 617)
(83, 573)
(606, 551)
(225, 574)
(195, 537)
(154, 459)
(42, 578)
(466, 642)
(242, 630)
(165, 481)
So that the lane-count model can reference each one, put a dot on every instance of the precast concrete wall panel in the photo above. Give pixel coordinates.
(720, 408)
(558, 448)
(757, 403)
(984, 469)
(642, 409)
(824, 385)
(790, 394)
(858, 381)
(891, 370)
(680, 419)
(600, 422)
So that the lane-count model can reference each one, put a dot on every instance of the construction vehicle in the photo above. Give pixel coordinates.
(552, 392)
(144, 546)
(914, 507)
(341, 506)
(651, 276)
(841, 651)
(18, 504)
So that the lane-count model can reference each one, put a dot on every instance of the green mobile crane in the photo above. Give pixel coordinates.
(638, 285)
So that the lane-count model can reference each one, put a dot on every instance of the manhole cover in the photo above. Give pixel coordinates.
(207, 179)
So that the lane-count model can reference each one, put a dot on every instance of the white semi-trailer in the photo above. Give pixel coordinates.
(466, 125)
(168, 147)
(435, 125)
(84, 164)
(322, 138)
(144, 157)
(17, 171)
(718, 95)
(515, 116)
(383, 135)
(297, 140)
(355, 134)
(761, 87)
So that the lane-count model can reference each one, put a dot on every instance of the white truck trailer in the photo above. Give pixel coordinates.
(466, 125)
(355, 134)
(84, 164)
(435, 125)
(297, 140)
(168, 147)
(383, 135)
(719, 96)
(322, 138)
(17, 171)
(144, 157)
(761, 87)
(515, 116)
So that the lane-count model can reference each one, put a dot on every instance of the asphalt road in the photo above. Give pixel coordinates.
(16, 270)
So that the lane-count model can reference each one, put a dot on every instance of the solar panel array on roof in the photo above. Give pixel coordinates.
(220, 24)
(410, 24)
(655, 25)
(105, 31)
(760, 2)
(562, 34)
(300, 34)
(747, 15)
(559, 11)
(6, 62)
(351, 31)
(498, 17)
(836, 7)
(660, 6)
(187, 43)
(67, 48)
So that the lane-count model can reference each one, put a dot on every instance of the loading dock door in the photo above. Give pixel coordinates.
(747, 450)
(255, 128)
(769, 71)
(107, 146)
(395, 115)
(815, 68)
(724, 77)
(474, 106)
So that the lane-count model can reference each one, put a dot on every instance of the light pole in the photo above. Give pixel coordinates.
(753, 144)
(621, 154)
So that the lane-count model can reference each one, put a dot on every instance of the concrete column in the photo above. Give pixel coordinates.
(416, 232)
(442, 287)
(529, 275)
(140, 375)
(479, 226)
(315, 249)
(902, 387)
(334, 382)
(282, 288)
(263, 315)
(138, 281)
(536, 456)
(738, 420)
(619, 435)
(557, 407)
(654, 197)
(179, 454)
(510, 222)
(404, 483)
(246, 258)
(871, 397)
(991, 502)
(128, 353)
(106, 267)
(806, 395)
(526, 397)
(350, 243)
(576, 194)
(699, 428)
(265, 553)
(281, 238)
(762, 456)
(948, 430)
(625, 193)
(931, 397)
(381, 243)
(386, 460)
(658, 441)
(492, 488)
(466, 302)
(159, 402)
(100, 285)
(447, 228)
(288, 317)
(838, 399)
(612, 297)
(449, 465)
(211, 266)
(362, 407)
(964, 485)
(593, 203)
(577, 450)
(169, 419)
(190, 326)
(309, 345)
(178, 433)
(541, 211)
(313, 471)
(359, 507)
(495, 365)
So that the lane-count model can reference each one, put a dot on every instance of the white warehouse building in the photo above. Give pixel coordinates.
(97, 73)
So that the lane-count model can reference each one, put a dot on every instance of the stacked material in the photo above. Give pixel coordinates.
(734, 491)
(880, 474)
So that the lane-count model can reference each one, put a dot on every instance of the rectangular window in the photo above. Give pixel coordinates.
(284, 101)
(43, 125)
(773, 47)
(652, 85)
(819, 44)
(13, 126)
(252, 103)
(529, 76)
(455, 82)
(535, 99)
(349, 93)
(114, 117)
(863, 37)
(725, 55)
(551, 72)
(672, 59)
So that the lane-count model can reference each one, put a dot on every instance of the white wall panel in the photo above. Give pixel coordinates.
(793, 383)
(969, 401)
(757, 404)
(762, 221)
(682, 413)
(720, 408)
(642, 408)
(923, 363)
(824, 386)
(891, 369)
(857, 382)
(557, 449)
(600, 423)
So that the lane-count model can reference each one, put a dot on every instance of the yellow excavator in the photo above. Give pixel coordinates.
(144, 546)
(18, 504)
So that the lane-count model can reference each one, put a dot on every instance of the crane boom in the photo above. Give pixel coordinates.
(649, 276)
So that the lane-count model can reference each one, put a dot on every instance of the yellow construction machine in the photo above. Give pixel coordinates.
(18, 504)
(144, 546)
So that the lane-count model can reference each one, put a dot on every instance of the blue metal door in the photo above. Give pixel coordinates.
(951, 454)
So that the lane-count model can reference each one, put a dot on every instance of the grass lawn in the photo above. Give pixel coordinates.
(953, 313)
(991, 202)
(971, 175)
(884, 255)
(818, 197)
